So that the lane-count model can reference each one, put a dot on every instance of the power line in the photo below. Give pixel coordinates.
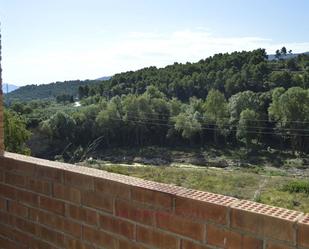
(259, 120)
(138, 118)
(213, 129)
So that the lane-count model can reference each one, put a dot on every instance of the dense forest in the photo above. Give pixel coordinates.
(238, 99)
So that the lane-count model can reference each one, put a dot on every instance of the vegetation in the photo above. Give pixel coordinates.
(226, 100)
(238, 111)
(264, 186)
(47, 91)
(15, 133)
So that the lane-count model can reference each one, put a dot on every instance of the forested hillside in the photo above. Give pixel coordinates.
(237, 99)
(47, 91)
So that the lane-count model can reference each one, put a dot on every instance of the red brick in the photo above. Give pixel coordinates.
(17, 209)
(112, 188)
(42, 187)
(109, 223)
(130, 211)
(25, 225)
(19, 167)
(156, 239)
(52, 205)
(123, 244)
(263, 225)
(201, 210)
(3, 204)
(58, 223)
(223, 238)
(190, 245)
(67, 193)
(220, 237)
(278, 246)
(252, 243)
(52, 236)
(76, 244)
(1, 175)
(45, 173)
(82, 214)
(303, 232)
(39, 244)
(154, 198)
(16, 180)
(180, 226)
(92, 199)
(78, 180)
(28, 197)
(8, 192)
(15, 235)
(99, 238)
(7, 244)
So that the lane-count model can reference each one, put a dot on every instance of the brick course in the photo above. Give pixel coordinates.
(50, 205)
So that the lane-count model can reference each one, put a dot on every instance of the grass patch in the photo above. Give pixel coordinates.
(297, 187)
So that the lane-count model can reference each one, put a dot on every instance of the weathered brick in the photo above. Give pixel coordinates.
(154, 198)
(124, 244)
(14, 179)
(3, 205)
(28, 197)
(42, 187)
(217, 236)
(263, 225)
(78, 180)
(55, 175)
(120, 227)
(99, 238)
(17, 209)
(58, 223)
(82, 214)
(92, 199)
(8, 244)
(76, 244)
(130, 211)
(112, 188)
(67, 193)
(252, 243)
(25, 225)
(51, 236)
(278, 246)
(156, 239)
(179, 225)
(15, 235)
(201, 210)
(52, 205)
(8, 192)
(303, 232)
(190, 245)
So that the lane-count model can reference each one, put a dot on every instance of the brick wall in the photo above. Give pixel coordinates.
(46, 205)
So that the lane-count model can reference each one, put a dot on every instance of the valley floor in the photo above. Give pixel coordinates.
(268, 186)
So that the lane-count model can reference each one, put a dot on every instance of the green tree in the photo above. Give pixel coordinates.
(247, 126)
(290, 109)
(15, 133)
(216, 112)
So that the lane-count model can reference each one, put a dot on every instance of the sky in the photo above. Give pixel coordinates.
(45, 41)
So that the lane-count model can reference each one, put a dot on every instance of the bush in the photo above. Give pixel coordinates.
(297, 187)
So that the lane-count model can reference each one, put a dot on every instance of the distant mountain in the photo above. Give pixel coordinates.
(272, 57)
(47, 91)
(8, 88)
(104, 78)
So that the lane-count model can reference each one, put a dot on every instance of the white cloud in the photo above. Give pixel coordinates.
(129, 52)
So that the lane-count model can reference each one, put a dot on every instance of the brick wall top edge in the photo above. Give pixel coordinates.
(164, 188)
(267, 210)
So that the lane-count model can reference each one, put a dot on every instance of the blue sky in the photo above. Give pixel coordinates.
(46, 41)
